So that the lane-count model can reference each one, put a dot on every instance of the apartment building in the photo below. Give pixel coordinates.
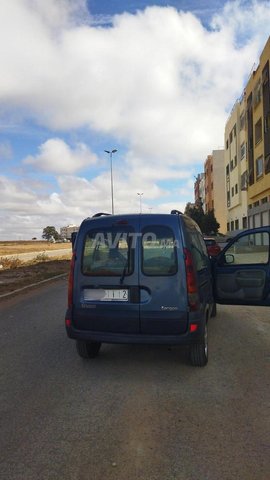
(235, 159)
(215, 198)
(65, 232)
(258, 142)
(199, 189)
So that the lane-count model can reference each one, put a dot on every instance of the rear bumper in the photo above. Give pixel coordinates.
(135, 338)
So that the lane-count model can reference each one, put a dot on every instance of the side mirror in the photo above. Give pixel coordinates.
(229, 258)
(73, 238)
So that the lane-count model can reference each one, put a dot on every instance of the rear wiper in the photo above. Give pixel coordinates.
(124, 272)
(127, 261)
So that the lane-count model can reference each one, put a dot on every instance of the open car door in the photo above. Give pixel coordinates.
(242, 270)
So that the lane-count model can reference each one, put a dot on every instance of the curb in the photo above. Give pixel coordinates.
(32, 285)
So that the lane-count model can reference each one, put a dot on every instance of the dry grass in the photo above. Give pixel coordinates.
(16, 274)
(13, 248)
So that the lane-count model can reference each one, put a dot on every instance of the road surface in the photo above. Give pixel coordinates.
(135, 412)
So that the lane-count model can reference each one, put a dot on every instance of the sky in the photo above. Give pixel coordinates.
(155, 80)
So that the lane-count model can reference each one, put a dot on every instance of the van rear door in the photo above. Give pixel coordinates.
(162, 280)
(106, 288)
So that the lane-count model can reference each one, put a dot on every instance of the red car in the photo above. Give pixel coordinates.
(212, 247)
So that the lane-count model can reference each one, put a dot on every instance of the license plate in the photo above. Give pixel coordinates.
(106, 295)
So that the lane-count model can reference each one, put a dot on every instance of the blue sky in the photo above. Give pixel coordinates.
(155, 80)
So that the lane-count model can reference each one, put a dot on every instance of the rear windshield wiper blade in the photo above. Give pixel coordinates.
(124, 272)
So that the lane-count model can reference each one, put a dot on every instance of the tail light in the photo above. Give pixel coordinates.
(71, 280)
(192, 287)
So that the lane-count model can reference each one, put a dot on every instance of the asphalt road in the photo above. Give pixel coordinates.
(135, 412)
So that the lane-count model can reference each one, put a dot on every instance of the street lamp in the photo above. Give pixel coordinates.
(110, 152)
(140, 195)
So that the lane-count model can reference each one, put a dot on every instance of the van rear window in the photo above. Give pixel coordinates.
(158, 251)
(108, 252)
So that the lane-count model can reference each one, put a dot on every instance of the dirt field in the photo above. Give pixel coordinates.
(12, 248)
(26, 274)
(15, 274)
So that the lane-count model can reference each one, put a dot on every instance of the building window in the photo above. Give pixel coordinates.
(267, 164)
(258, 131)
(228, 199)
(244, 222)
(227, 144)
(236, 188)
(236, 224)
(227, 169)
(242, 121)
(267, 122)
(235, 160)
(256, 204)
(231, 137)
(232, 191)
(259, 167)
(228, 227)
(264, 200)
(234, 130)
(231, 165)
(244, 180)
(243, 150)
(257, 93)
(232, 225)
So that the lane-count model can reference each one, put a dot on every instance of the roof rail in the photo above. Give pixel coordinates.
(100, 214)
(176, 212)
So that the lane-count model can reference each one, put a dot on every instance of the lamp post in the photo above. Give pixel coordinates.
(110, 152)
(140, 195)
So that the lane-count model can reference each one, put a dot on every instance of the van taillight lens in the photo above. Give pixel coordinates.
(192, 287)
(71, 280)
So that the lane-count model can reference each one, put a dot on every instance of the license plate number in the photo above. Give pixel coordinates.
(106, 295)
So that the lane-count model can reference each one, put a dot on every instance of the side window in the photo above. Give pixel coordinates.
(159, 255)
(107, 252)
(250, 249)
(198, 250)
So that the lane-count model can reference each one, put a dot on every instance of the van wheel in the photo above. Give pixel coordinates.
(214, 310)
(87, 349)
(199, 351)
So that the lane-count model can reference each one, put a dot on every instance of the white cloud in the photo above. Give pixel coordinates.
(57, 157)
(26, 212)
(157, 83)
(157, 80)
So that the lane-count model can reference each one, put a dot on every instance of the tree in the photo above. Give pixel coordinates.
(206, 221)
(211, 224)
(50, 232)
(195, 211)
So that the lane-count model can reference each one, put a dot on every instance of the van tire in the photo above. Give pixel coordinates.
(199, 351)
(87, 349)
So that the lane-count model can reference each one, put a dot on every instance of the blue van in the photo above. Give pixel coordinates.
(148, 279)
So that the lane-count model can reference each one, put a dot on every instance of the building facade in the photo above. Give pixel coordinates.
(258, 142)
(236, 167)
(65, 232)
(215, 187)
(199, 189)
